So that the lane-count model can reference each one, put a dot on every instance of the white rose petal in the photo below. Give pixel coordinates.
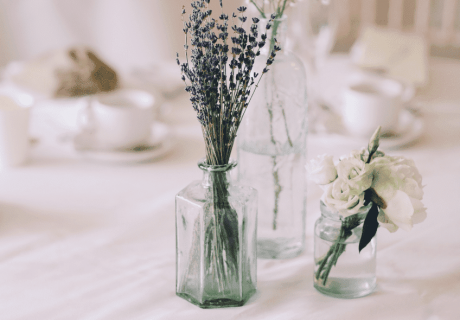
(339, 198)
(356, 173)
(321, 170)
(386, 223)
(398, 182)
(419, 211)
(412, 189)
(400, 210)
(383, 182)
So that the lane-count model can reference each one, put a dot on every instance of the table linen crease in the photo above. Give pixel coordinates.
(87, 240)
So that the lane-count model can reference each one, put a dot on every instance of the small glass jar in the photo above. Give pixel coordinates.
(216, 240)
(342, 271)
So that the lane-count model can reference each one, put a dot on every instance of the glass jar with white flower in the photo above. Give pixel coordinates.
(363, 191)
(354, 275)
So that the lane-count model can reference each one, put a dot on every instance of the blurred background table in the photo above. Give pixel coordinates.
(86, 240)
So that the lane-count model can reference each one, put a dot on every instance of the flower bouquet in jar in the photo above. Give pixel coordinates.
(362, 191)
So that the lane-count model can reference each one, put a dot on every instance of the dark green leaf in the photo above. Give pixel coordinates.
(369, 227)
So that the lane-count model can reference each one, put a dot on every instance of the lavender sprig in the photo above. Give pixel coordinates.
(218, 73)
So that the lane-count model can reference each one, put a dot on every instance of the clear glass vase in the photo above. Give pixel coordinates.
(271, 150)
(342, 271)
(216, 225)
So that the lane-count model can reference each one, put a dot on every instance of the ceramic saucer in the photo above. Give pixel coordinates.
(159, 143)
(409, 129)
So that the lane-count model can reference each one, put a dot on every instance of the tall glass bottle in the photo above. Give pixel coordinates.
(216, 240)
(271, 149)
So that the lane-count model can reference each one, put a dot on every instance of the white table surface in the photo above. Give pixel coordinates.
(84, 240)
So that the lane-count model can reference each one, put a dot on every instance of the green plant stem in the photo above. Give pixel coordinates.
(261, 10)
(278, 189)
(338, 247)
(270, 105)
(279, 11)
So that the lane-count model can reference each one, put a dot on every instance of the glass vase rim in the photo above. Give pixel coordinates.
(335, 215)
(203, 165)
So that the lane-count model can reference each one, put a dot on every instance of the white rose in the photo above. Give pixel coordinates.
(398, 182)
(356, 173)
(339, 196)
(321, 170)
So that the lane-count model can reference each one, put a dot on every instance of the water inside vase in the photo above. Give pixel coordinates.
(354, 274)
(279, 179)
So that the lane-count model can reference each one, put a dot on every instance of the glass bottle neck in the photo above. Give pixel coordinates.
(213, 173)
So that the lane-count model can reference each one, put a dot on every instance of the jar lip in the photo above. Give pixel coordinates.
(362, 211)
(217, 168)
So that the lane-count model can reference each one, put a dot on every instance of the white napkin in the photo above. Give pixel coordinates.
(402, 56)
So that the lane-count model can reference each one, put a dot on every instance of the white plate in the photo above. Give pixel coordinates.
(160, 143)
(410, 128)
(329, 130)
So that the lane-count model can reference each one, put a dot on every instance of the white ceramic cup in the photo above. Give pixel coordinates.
(119, 119)
(14, 133)
(372, 102)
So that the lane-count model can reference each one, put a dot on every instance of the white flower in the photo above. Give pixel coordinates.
(340, 197)
(321, 170)
(398, 182)
(356, 173)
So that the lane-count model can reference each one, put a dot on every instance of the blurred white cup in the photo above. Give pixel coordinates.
(14, 133)
(119, 119)
(371, 102)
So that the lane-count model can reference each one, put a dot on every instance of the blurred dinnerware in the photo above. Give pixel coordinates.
(14, 133)
(119, 119)
(156, 146)
(371, 102)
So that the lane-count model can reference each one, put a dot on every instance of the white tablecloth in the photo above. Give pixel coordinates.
(84, 240)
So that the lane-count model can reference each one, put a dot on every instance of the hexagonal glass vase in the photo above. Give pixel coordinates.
(216, 247)
(342, 271)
